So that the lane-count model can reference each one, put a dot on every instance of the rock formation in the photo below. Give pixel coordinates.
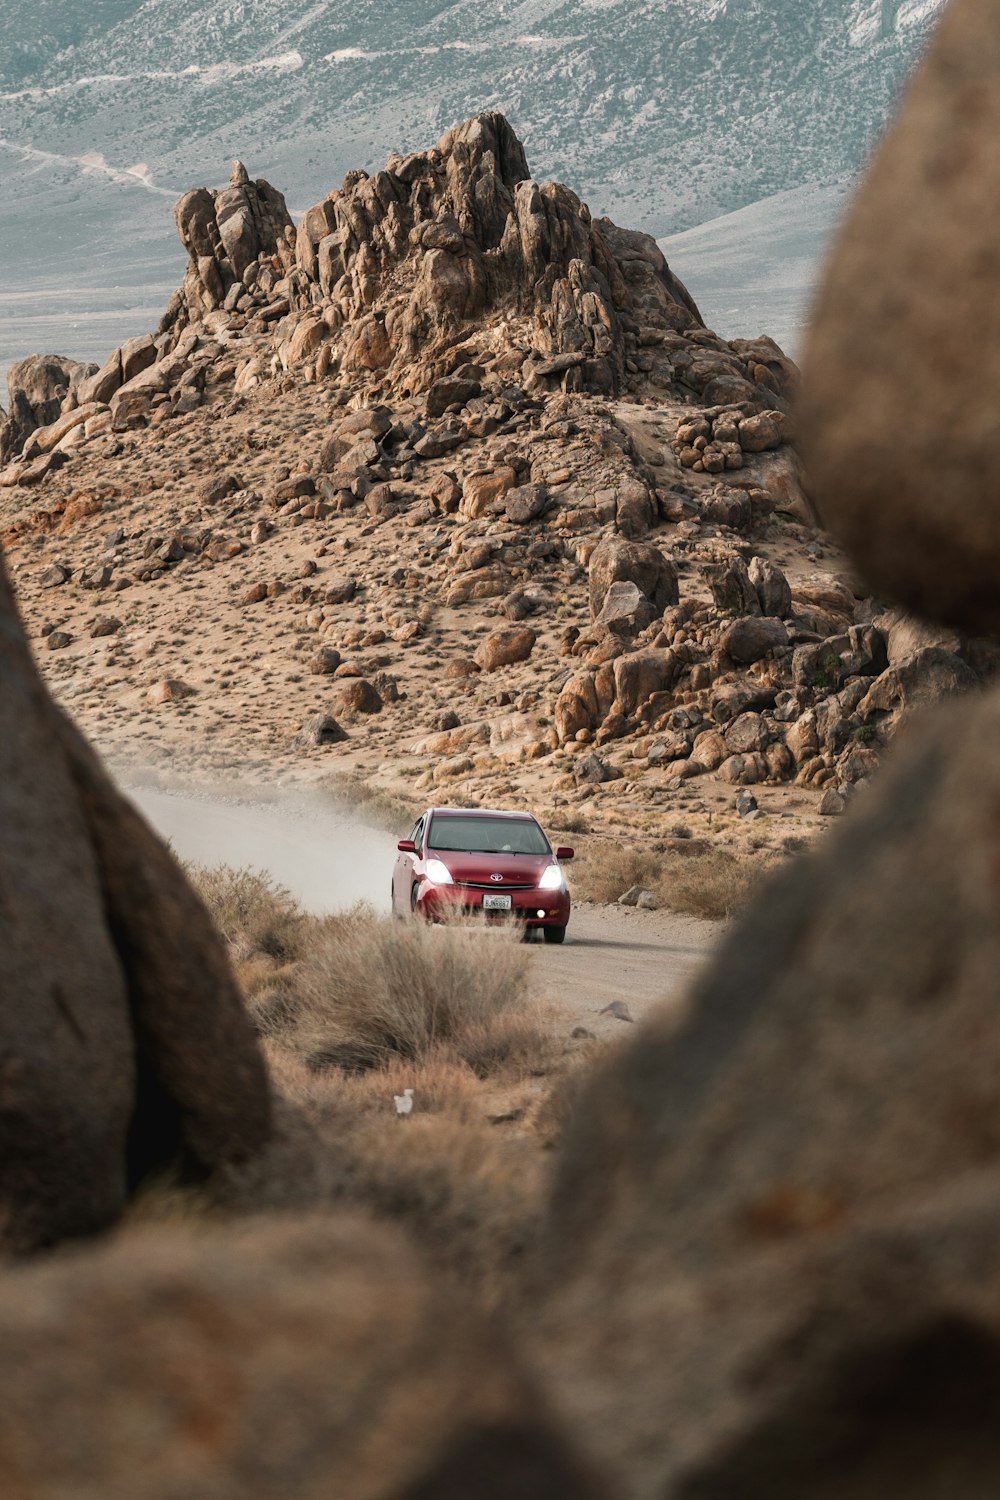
(38, 388)
(124, 1047)
(393, 268)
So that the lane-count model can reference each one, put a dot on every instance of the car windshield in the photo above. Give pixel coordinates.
(452, 833)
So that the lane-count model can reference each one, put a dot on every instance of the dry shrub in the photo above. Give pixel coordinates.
(254, 914)
(715, 885)
(607, 871)
(371, 990)
(518, 1044)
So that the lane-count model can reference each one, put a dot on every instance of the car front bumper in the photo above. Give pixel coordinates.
(533, 908)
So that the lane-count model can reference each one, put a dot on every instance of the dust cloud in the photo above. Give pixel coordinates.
(307, 842)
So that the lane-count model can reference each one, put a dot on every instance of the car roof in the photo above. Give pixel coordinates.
(483, 812)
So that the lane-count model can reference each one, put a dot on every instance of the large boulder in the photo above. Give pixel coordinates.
(753, 637)
(504, 648)
(616, 560)
(314, 1359)
(898, 432)
(124, 1045)
(784, 1203)
(578, 708)
(640, 674)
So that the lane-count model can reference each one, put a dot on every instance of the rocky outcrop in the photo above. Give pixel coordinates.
(313, 1358)
(124, 1046)
(39, 387)
(390, 270)
(233, 239)
(904, 461)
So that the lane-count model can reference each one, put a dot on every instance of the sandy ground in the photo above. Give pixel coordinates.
(329, 861)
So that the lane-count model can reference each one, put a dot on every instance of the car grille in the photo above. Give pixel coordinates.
(495, 885)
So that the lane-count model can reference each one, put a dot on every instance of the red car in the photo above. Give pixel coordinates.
(494, 863)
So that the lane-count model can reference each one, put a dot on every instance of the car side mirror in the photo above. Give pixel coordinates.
(564, 854)
(406, 846)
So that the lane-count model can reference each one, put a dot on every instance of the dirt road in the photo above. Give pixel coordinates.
(329, 861)
(611, 953)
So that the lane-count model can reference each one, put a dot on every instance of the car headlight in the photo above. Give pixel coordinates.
(552, 879)
(438, 872)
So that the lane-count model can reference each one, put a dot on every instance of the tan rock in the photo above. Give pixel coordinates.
(504, 648)
(358, 696)
(479, 491)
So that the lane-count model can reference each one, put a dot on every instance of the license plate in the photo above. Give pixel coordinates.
(497, 903)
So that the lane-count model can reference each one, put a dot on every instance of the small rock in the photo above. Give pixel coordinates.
(527, 503)
(831, 804)
(594, 771)
(746, 803)
(105, 625)
(54, 575)
(321, 729)
(647, 901)
(619, 1010)
(325, 662)
(581, 1034)
(168, 690)
(342, 591)
(631, 896)
(95, 578)
(57, 640)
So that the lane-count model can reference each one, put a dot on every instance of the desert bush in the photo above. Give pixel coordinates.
(254, 914)
(607, 871)
(371, 990)
(715, 885)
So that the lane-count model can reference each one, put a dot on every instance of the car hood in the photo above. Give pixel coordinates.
(478, 869)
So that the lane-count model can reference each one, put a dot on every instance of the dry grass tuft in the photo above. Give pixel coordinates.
(606, 871)
(716, 885)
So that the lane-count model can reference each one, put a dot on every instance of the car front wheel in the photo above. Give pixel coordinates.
(554, 934)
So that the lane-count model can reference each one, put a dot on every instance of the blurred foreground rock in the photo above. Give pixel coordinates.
(124, 1045)
(903, 360)
(786, 1209)
(313, 1360)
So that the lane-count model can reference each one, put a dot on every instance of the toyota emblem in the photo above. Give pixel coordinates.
(496, 877)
